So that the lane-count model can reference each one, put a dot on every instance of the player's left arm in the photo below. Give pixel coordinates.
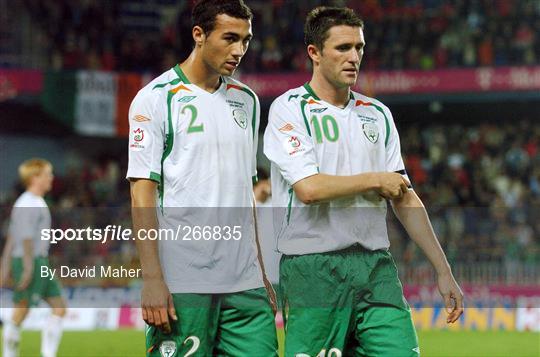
(412, 214)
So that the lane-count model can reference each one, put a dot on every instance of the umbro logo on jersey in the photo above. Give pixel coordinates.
(318, 110)
(140, 118)
(286, 127)
(187, 99)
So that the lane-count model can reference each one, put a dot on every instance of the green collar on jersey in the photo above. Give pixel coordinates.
(181, 74)
(311, 92)
(185, 79)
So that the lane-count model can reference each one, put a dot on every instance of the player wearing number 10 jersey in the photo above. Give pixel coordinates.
(192, 152)
(336, 160)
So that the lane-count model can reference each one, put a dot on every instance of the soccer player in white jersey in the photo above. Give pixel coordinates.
(192, 151)
(336, 161)
(24, 255)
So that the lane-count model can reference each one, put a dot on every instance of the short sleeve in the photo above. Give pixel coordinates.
(147, 118)
(287, 142)
(24, 221)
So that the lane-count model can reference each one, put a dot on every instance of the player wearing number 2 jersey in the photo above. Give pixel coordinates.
(336, 161)
(192, 151)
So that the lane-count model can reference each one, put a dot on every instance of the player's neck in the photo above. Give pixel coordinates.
(36, 191)
(329, 93)
(199, 74)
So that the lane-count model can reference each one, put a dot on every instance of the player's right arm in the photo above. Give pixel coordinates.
(156, 300)
(147, 118)
(298, 165)
(6, 261)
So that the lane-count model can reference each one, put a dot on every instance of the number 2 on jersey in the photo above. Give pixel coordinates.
(326, 121)
(192, 128)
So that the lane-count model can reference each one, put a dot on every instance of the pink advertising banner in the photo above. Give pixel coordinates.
(500, 79)
(14, 82)
(486, 295)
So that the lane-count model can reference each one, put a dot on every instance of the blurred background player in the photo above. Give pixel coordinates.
(336, 159)
(193, 141)
(28, 253)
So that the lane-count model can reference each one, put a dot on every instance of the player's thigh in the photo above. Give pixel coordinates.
(246, 325)
(318, 303)
(384, 326)
(194, 332)
(385, 331)
(34, 292)
(317, 331)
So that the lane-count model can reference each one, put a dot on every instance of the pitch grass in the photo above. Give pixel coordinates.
(127, 343)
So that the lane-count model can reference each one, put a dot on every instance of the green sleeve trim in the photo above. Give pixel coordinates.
(168, 145)
(254, 179)
(306, 122)
(155, 177)
(181, 74)
(289, 205)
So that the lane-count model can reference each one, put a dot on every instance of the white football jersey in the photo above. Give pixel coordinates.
(306, 136)
(201, 149)
(29, 216)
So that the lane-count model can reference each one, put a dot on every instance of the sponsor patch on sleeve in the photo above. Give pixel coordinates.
(293, 145)
(139, 139)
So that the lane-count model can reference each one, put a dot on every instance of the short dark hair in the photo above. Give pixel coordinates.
(322, 18)
(205, 12)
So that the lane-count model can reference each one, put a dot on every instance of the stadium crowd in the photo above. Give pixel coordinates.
(134, 35)
(480, 184)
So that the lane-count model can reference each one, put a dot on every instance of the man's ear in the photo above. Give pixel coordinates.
(198, 35)
(314, 53)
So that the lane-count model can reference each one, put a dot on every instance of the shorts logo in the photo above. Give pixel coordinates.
(187, 99)
(240, 117)
(416, 349)
(293, 145)
(140, 118)
(371, 131)
(167, 348)
(286, 127)
(139, 140)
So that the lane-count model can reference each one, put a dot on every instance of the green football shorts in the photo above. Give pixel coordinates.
(345, 303)
(235, 324)
(39, 288)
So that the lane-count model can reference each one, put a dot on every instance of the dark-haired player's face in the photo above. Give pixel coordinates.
(342, 54)
(227, 43)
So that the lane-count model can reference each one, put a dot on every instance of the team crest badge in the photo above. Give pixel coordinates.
(371, 131)
(240, 117)
(167, 348)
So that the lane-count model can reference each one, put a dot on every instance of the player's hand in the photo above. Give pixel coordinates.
(271, 295)
(157, 305)
(26, 279)
(452, 296)
(392, 185)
